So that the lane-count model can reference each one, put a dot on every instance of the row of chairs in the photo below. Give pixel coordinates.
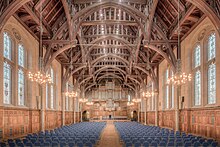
(80, 135)
(135, 134)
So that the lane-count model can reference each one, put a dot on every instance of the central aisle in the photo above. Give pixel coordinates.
(109, 136)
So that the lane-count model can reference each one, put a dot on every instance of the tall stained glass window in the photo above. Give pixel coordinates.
(211, 84)
(21, 55)
(211, 69)
(197, 56)
(21, 87)
(197, 75)
(7, 46)
(197, 88)
(211, 46)
(7, 83)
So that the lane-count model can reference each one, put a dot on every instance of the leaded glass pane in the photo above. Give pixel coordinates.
(21, 87)
(197, 56)
(51, 96)
(212, 84)
(211, 46)
(21, 55)
(7, 46)
(197, 88)
(7, 83)
(52, 75)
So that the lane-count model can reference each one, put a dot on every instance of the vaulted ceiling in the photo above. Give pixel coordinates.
(98, 40)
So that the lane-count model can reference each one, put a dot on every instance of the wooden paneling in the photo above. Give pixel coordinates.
(167, 119)
(151, 118)
(18, 122)
(204, 122)
(68, 118)
(52, 119)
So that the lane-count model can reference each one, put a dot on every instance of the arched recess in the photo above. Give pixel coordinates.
(135, 80)
(10, 10)
(208, 11)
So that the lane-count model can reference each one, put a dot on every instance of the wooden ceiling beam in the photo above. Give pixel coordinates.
(55, 15)
(181, 21)
(208, 11)
(109, 22)
(51, 10)
(10, 10)
(39, 4)
(68, 16)
(37, 19)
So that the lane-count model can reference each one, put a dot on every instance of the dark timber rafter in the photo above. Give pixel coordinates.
(110, 39)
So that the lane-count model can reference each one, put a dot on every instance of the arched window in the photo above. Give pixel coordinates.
(197, 75)
(7, 89)
(211, 69)
(21, 77)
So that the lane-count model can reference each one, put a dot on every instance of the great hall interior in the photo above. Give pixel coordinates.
(115, 73)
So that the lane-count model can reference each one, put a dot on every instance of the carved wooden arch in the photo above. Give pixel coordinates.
(10, 10)
(100, 39)
(121, 73)
(109, 74)
(145, 71)
(84, 80)
(133, 79)
(109, 66)
(95, 7)
(162, 54)
(172, 56)
(206, 9)
(129, 86)
(74, 71)
(110, 55)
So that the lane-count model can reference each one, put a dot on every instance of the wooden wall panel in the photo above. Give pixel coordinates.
(167, 119)
(52, 119)
(151, 118)
(16, 122)
(68, 118)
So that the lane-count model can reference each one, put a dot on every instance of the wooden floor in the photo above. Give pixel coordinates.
(109, 136)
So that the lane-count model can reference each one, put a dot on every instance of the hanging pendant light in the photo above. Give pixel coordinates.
(179, 78)
(40, 77)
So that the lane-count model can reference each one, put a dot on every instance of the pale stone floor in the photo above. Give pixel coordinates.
(109, 137)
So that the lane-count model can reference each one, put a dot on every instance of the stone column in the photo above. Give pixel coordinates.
(177, 112)
(63, 108)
